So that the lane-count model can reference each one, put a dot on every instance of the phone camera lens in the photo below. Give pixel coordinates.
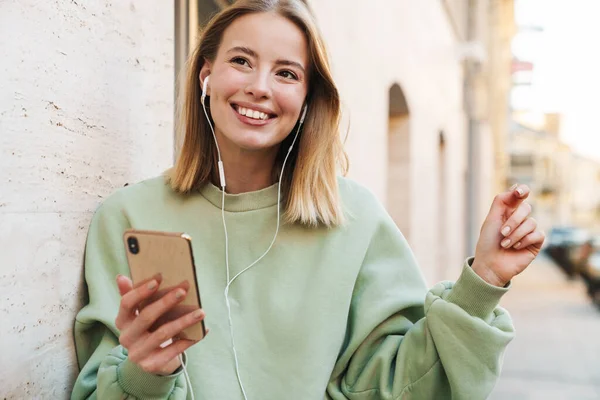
(133, 245)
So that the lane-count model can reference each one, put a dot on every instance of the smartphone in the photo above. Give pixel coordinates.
(169, 254)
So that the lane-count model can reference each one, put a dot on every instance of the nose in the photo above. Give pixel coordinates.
(259, 86)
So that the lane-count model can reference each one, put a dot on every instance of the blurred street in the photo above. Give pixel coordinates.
(556, 354)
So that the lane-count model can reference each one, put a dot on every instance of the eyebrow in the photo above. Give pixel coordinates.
(252, 53)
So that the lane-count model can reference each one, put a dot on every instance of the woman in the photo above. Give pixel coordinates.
(337, 307)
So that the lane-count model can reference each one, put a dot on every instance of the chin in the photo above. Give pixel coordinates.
(253, 141)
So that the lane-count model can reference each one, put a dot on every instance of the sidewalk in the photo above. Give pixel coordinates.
(556, 353)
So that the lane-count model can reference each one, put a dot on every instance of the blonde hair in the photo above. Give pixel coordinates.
(310, 188)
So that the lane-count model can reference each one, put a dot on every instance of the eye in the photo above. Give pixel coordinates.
(288, 75)
(240, 61)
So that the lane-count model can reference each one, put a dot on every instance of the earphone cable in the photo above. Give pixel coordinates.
(230, 281)
(187, 377)
(237, 368)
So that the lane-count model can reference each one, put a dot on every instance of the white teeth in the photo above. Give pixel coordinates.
(252, 113)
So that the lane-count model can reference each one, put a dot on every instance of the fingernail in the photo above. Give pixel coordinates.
(198, 313)
(513, 187)
(179, 293)
(118, 276)
(505, 243)
(505, 230)
(517, 245)
(520, 191)
(152, 285)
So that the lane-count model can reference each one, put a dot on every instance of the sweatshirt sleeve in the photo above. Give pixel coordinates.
(105, 371)
(403, 342)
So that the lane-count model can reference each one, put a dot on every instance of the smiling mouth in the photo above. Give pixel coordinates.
(252, 114)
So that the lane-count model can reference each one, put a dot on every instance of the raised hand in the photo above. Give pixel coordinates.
(509, 240)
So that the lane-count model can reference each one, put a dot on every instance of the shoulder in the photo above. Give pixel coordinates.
(139, 194)
(368, 218)
(360, 201)
(363, 210)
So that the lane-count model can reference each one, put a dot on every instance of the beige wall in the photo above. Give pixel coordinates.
(85, 107)
(412, 44)
(398, 172)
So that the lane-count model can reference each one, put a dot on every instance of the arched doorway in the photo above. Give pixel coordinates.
(398, 182)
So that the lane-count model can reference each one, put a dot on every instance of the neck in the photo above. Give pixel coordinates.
(247, 171)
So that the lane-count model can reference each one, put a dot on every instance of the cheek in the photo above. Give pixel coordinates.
(230, 83)
(292, 100)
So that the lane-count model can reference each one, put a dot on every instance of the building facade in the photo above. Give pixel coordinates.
(565, 186)
(539, 159)
(89, 108)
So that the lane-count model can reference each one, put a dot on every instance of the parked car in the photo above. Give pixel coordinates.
(564, 246)
(590, 268)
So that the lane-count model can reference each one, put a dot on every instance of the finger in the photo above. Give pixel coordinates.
(516, 219)
(534, 239)
(154, 311)
(521, 192)
(157, 277)
(131, 300)
(124, 284)
(155, 362)
(170, 330)
(510, 199)
(528, 226)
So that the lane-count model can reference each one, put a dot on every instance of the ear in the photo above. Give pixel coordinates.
(204, 72)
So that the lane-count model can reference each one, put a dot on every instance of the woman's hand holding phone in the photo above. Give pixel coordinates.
(144, 344)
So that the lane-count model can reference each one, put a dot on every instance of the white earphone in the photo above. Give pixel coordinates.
(222, 181)
(220, 163)
(204, 88)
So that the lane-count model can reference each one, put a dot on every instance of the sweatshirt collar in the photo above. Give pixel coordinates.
(241, 202)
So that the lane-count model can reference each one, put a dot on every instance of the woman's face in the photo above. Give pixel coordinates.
(258, 82)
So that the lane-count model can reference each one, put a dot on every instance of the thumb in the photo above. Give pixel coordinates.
(124, 284)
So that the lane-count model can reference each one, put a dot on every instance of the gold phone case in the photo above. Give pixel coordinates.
(170, 254)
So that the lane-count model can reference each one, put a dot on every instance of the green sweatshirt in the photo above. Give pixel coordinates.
(338, 313)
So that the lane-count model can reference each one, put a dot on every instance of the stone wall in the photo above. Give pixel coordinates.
(86, 106)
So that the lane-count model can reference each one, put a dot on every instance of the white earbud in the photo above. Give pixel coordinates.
(204, 88)
(304, 110)
(302, 117)
(220, 162)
